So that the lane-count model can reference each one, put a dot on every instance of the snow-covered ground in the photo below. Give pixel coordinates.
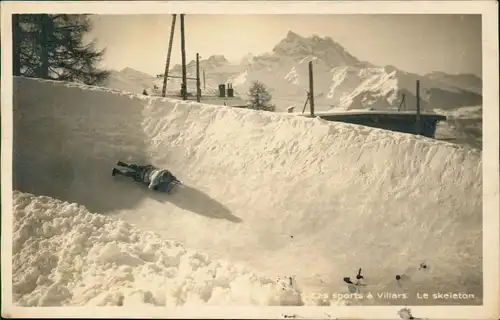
(463, 126)
(280, 195)
(65, 255)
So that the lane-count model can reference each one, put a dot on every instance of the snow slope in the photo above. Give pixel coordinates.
(64, 255)
(282, 195)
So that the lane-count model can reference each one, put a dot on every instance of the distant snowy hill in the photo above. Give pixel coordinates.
(341, 81)
(463, 126)
(247, 59)
(130, 80)
(217, 70)
(466, 81)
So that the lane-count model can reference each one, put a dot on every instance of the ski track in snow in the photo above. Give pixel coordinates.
(281, 195)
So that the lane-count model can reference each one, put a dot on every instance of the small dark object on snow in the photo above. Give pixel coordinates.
(348, 280)
(359, 276)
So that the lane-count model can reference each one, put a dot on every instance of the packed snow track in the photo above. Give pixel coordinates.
(284, 195)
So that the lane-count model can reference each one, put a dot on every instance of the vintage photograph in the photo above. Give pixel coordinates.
(181, 159)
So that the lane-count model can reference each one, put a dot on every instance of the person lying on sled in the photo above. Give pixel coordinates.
(155, 178)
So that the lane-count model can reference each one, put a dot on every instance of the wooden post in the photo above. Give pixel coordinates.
(204, 87)
(305, 103)
(311, 88)
(169, 53)
(418, 124)
(198, 86)
(403, 103)
(183, 53)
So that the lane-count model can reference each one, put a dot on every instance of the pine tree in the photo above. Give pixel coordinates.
(51, 46)
(259, 97)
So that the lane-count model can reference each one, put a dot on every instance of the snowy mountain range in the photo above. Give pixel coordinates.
(341, 81)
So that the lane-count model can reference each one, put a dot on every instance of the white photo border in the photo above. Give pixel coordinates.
(491, 205)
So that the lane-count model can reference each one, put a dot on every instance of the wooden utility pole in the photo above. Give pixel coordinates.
(183, 53)
(311, 88)
(418, 125)
(198, 85)
(204, 88)
(169, 53)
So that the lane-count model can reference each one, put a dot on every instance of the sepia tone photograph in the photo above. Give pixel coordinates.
(188, 160)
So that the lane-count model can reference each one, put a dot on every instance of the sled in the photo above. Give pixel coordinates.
(171, 186)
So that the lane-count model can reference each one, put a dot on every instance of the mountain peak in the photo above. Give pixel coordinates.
(247, 59)
(323, 48)
(128, 70)
(214, 61)
(132, 72)
(217, 58)
(292, 36)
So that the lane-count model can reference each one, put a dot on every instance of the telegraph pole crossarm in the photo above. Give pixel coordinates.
(177, 77)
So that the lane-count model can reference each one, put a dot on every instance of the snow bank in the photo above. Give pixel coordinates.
(280, 194)
(64, 255)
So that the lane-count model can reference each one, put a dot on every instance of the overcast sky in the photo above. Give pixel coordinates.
(414, 43)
